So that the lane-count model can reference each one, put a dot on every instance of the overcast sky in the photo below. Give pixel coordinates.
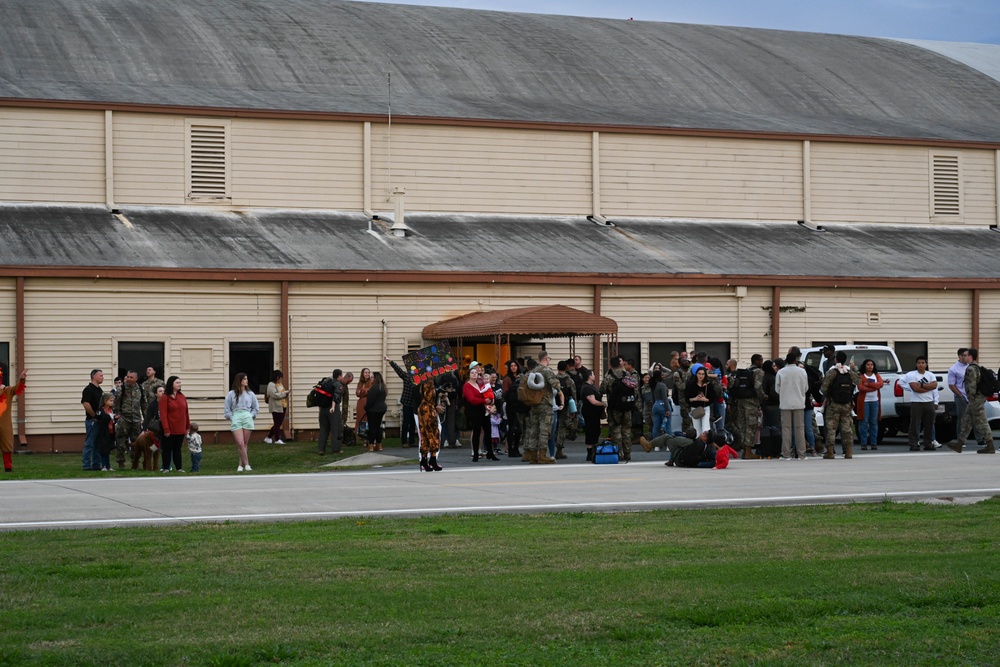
(944, 20)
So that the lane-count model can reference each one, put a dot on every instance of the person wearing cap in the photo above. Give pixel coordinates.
(829, 358)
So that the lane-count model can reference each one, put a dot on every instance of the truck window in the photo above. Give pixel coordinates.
(884, 362)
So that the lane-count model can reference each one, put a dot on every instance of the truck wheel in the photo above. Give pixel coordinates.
(886, 429)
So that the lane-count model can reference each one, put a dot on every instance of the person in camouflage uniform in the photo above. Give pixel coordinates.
(539, 426)
(619, 421)
(130, 406)
(975, 412)
(150, 385)
(838, 416)
(748, 412)
(681, 378)
(565, 417)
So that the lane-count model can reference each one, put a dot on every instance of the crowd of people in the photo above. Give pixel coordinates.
(530, 409)
(150, 422)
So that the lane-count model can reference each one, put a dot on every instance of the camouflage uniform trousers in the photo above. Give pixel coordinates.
(748, 415)
(620, 431)
(837, 417)
(570, 425)
(562, 429)
(538, 428)
(686, 422)
(126, 432)
(974, 418)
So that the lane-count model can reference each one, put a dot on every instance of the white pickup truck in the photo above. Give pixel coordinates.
(896, 395)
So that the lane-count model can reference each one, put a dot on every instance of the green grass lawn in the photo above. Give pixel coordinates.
(882, 584)
(217, 459)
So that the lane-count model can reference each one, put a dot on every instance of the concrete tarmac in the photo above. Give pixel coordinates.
(490, 487)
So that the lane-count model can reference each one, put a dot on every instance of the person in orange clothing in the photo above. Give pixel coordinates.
(7, 395)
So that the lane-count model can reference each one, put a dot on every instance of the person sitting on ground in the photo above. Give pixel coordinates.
(700, 454)
(723, 453)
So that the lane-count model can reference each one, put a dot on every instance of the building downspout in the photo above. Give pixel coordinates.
(22, 437)
(109, 161)
(975, 318)
(597, 339)
(286, 354)
(776, 322)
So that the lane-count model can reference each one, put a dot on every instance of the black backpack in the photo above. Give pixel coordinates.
(842, 388)
(743, 384)
(621, 393)
(988, 382)
(321, 395)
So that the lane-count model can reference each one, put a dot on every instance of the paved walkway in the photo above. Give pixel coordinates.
(494, 487)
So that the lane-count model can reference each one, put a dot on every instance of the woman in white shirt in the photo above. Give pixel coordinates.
(241, 407)
(869, 404)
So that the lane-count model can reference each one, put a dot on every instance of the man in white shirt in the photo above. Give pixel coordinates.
(924, 386)
(792, 383)
(956, 382)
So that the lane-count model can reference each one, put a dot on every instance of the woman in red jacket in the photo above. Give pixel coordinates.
(176, 423)
(477, 394)
(868, 404)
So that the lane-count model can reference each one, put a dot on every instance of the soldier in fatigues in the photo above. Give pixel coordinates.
(975, 413)
(748, 412)
(539, 427)
(565, 417)
(150, 384)
(837, 413)
(619, 420)
(130, 406)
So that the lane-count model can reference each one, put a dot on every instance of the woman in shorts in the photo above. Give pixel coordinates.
(241, 408)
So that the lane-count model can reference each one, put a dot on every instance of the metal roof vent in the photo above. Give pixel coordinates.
(811, 226)
(601, 220)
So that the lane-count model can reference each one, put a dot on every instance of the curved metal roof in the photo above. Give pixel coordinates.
(983, 57)
(335, 56)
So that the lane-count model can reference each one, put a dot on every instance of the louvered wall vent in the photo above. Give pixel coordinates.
(874, 318)
(946, 189)
(208, 160)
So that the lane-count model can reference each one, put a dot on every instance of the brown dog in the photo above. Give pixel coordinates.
(143, 447)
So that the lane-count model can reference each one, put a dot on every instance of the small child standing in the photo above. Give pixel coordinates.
(194, 446)
(495, 421)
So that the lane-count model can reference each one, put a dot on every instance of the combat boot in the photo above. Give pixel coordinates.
(646, 444)
(748, 453)
(529, 456)
(849, 451)
(542, 457)
(988, 449)
(829, 453)
(560, 454)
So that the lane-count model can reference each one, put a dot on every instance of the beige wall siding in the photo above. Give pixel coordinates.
(700, 178)
(989, 328)
(870, 183)
(475, 170)
(691, 314)
(297, 164)
(71, 327)
(861, 183)
(979, 187)
(51, 156)
(941, 317)
(339, 325)
(149, 159)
